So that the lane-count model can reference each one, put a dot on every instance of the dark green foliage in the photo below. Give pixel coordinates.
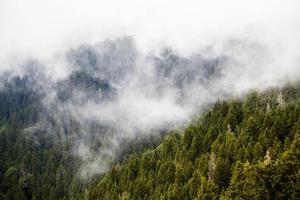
(40, 164)
(240, 149)
(32, 165)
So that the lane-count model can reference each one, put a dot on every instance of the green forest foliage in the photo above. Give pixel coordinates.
(245, 148)
(32, 166)
(39, 164)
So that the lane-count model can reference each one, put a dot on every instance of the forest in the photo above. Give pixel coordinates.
(149, 100)
(240, 148)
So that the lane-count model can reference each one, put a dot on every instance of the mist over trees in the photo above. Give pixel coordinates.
(126, 113)
(160, 99)
(50, 148)
(239, 149)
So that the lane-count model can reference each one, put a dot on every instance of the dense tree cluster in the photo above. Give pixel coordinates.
(33, 164)
(39, 162)
(239, 149)
(245, 148)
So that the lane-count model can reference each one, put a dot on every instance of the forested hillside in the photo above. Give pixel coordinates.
(59, 138)
(38, 157)
(58, 134)
(33, 164)
(241, 148)
(149, 100)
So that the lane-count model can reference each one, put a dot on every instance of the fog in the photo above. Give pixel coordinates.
(118, 70)
(43, 28)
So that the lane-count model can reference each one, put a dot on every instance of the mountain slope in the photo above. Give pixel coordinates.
(56, 135)
(240, 149)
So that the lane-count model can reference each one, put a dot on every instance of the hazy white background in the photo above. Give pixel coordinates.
(44, 27)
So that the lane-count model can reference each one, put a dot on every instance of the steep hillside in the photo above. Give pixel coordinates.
(157, 99)
(57, 134)
(245, 148)
(114, 108)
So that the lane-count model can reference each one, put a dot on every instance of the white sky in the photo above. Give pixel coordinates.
(43, 27)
